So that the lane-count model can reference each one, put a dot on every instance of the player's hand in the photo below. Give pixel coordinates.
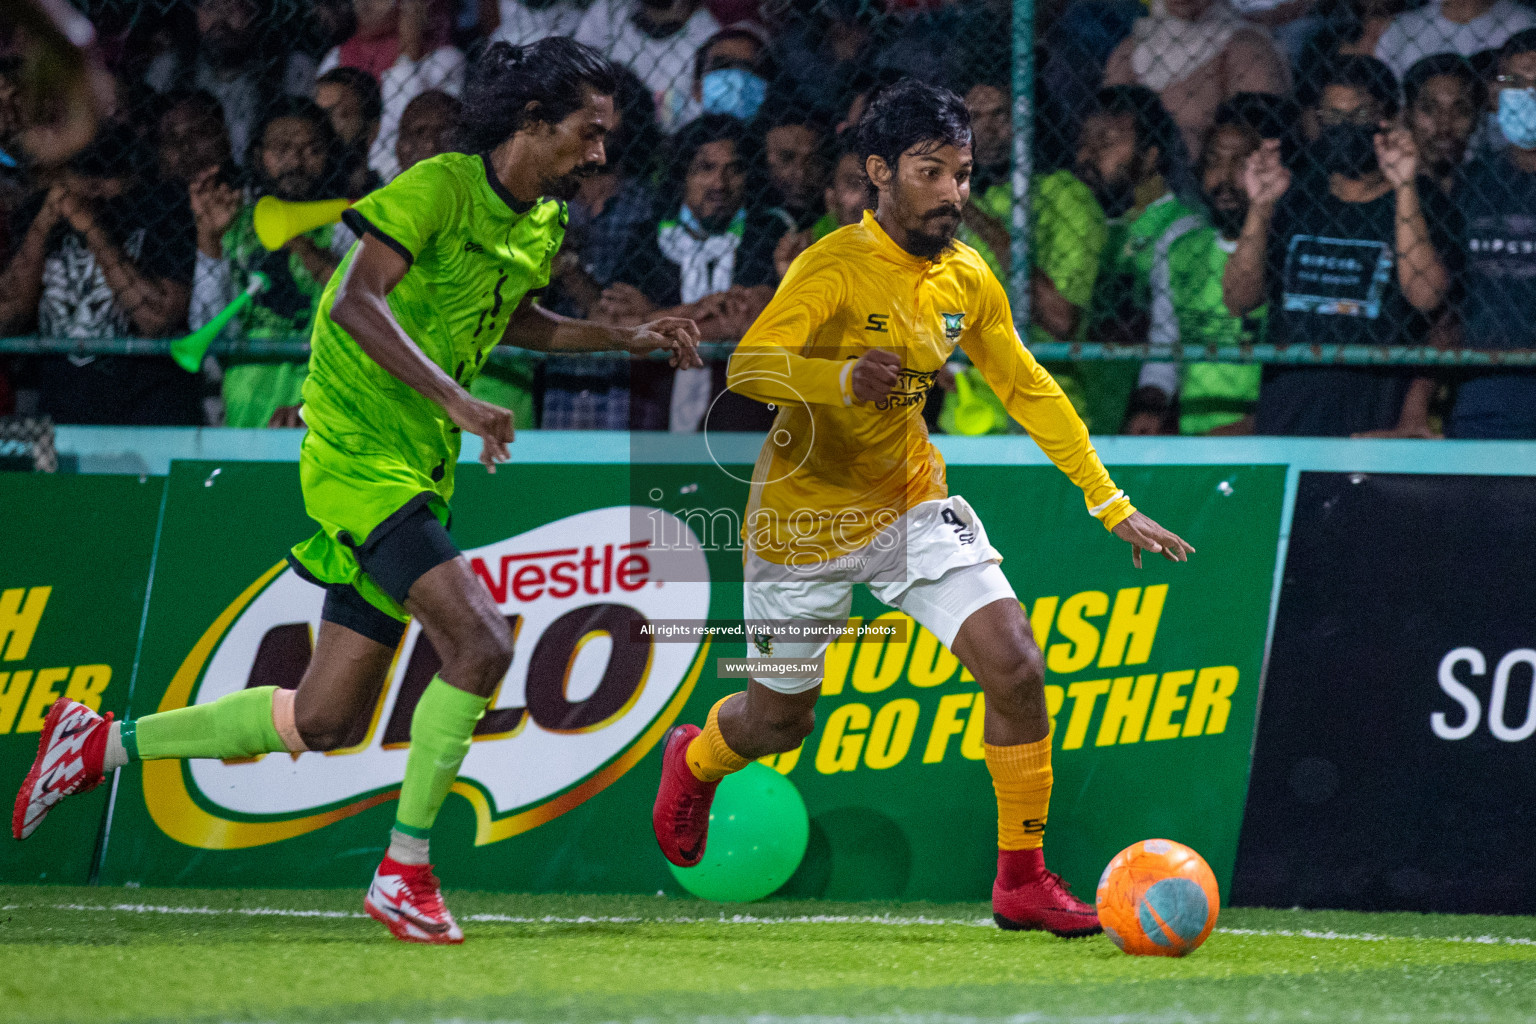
(674, 334)
(875, 374)
(1142, 534)
(491, 423)
(1265, 178)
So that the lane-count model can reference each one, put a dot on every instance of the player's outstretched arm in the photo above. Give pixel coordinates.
(534, 327)
(361, 308)
(1143, 534)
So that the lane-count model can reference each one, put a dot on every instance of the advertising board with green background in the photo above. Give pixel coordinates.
(1152, 678)
(74, 563)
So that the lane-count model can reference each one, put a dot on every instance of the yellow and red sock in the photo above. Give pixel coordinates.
(709, 757)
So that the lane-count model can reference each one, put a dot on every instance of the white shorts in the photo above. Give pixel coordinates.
(951, 571)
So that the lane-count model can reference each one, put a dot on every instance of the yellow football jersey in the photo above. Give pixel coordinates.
(835, 471)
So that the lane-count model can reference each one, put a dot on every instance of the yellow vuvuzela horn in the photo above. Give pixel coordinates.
(278, 220)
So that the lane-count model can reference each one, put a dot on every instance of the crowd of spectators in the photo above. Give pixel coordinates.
(1203, 171)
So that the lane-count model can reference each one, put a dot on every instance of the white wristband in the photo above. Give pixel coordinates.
(1099, 510)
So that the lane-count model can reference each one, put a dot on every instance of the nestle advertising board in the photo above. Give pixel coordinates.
(1152, 679)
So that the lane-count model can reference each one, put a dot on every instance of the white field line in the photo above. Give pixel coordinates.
(876, 919)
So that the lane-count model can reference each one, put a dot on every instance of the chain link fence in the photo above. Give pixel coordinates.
(1277, 183)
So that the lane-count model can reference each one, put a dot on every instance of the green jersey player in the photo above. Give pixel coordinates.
(449, 255)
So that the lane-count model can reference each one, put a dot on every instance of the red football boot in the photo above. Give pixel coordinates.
(69, 759)
(1027, 897)
(681, 814)
(407, 899)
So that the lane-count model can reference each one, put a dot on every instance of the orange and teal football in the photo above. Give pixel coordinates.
(1158, 898)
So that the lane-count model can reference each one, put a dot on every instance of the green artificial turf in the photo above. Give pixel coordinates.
(89, 954)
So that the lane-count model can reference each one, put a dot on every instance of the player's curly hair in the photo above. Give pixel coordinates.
(554, 74)
(912, 114)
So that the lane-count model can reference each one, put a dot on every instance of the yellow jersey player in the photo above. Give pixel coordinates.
(848, 489)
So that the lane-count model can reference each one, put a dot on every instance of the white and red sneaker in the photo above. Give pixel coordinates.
(69, 761)
(408, 900)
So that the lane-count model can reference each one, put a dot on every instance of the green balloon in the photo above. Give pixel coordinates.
(758, 830)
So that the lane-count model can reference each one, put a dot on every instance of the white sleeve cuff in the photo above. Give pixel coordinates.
(844, 379)
(1099, 510)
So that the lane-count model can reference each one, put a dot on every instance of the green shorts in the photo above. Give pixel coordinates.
(359, 499)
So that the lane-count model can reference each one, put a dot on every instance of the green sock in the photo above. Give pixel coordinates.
(239, 725)
(441, 730)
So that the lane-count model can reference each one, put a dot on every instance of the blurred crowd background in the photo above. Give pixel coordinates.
(1294, 172)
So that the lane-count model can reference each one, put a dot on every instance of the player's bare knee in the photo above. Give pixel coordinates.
(482, 660)
(1015, 684)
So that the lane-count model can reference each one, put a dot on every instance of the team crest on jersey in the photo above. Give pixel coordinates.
(954, 323)
(764, 644)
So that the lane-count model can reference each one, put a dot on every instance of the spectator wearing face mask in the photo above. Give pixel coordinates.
(350, 97)
(731, 73)
(656, 39)
(1497, 198)
(404, 45)
(1356, 249)
(295, 159)
(233, 62)
(105, 253)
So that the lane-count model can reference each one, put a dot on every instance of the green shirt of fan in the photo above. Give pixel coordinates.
(374, 444)
(254, 389)
(1187, 267)
(1068, 232)
(1124, 284)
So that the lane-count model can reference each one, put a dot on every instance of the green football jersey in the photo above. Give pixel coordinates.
(375, 446)
(1187, 307)
(473, 257)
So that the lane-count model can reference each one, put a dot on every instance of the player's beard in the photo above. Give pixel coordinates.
(936, 234)
(565, 187)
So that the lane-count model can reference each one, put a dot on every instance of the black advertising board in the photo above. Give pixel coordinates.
(1395, 764)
